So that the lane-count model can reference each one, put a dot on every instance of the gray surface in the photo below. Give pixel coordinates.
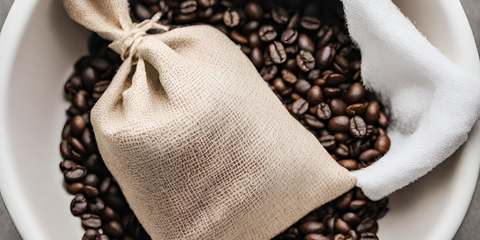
(470, 226)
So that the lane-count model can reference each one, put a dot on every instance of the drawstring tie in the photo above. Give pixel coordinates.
(129, 42)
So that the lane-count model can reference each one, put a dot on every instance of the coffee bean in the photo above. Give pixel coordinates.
(188, 6)
(367, 225)
(75, 173)
(279, 85)
(368, 156)
(335, 79)
(289, 36)
(342, 137)
(372, 112)
(77, 125)
(355, 109)
(368, 236)
(341, 226)
(305, 61)
(91, 221)
(355, 93)
(316, 236)
(254, 11)
(66, 130)
(90, 234)
(250, 27)
(280, 15)
(329, 92)
(67, 165)
(288, 76)
(310, 23)
(306, 43)
(325, 56)
(103, 237)
(314, 74)
(237, 37)
(358, 128)
(231, 18)
(269, 72)
(76, 82)
(77, 146)
(107, 214)
(141, 12)
(330, 224)
(313, 122)
(80, 101)
(117, 203)
(75, 187)
(267, 33)
(105, 185)
(311, 227)
(277, 52)
(323, 111)
(327, 141)
(185, 18)
(254, 39)
(325, 39)
(383, 120)
(89, 78)
(89, 192)
(319, 82)
(342, 203)
(352, 219)
(338, 107)
(96, 205)
(342, 151)
(315, 96)
(382, 144)
(216, 18)
(204, 3)
(99, 88)
(349, 164)
(339, 124)
(256, 56)
(78, 205)
(113, 229)
(302, 86)
(300, 106)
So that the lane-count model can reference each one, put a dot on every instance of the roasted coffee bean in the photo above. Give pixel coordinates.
(382, 144)
(89, 192)
(337, 106)
(341, 226)
(310, 23)
(267, 33)
(103, 237)
(99, 88)
(279, 85)
(288, 76)
(107, 214)
(89, 78)
(216, 18)
(113, 229)
(339, 124)
(280, 15)
(269, 72)
(66, 130)
(77, 146)
(256, 56)
(75, 173)
(65, 149)
(105, 185)
(355, 109)
(342, 63)
(77, 125)
(90, 234)
(277, 52)
(372, 113)
(250, 27)
(340, 236)
(185, 18)
(313, 122)
(300, 106)
(306, 43)
(141, 12)
(335, 79)
(287, 236)
(342, 203)
(76, 83)
(311, 227)
(355, 93)
(352, 219)
(295, 96)
(349, 164)
(254, 40)
(329, 92)
(383, 120)
(237, 37)
(368, 236)
(342, 137)
(325, 39)
(67, 165)
(188, 6)
(316, 236)
(315, 96)
(358, 128)
(91, 221)
(96, 205)
(254, 11)
(327, 141)
(323, 111)
(342, 151)
(368, 156)
(80, 101)
(289, 36)
(367, 225)
(325, 56)
(75, 187)
(305, 61)
(231, 18)
(116, 202)
(330, 225)
(302, 86)
(78, 205)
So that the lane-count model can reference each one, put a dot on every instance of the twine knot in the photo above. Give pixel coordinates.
(130, 40)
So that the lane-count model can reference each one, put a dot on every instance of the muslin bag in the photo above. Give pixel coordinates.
(199, 144)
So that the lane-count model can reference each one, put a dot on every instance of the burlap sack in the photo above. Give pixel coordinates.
(199, 144)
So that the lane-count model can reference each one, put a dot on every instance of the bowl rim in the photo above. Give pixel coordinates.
(10, 39)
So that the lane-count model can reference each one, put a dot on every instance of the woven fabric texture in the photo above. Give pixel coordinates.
(199, 144)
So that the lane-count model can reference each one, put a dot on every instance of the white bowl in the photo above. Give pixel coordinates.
(38, 47)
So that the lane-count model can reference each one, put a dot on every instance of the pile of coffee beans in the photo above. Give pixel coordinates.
(303, 50)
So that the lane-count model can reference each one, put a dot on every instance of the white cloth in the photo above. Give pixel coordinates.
(433, 103)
